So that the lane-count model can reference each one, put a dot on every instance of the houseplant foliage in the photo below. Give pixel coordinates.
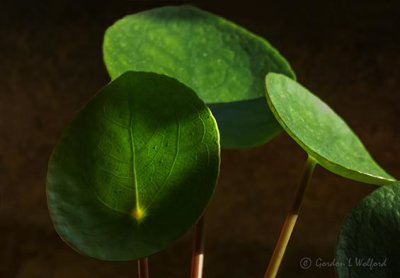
(135, 169)
(323, 134)
(221, 61)
(326, 138)
(368, 243)
(138, 165)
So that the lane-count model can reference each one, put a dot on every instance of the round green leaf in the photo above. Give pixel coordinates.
(369, 242)
(223, 63)
(135, 169)
(321, 132)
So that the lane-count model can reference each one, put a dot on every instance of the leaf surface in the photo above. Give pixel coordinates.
(323, 134)
(135, 169)
(369, 243)
(223, 63)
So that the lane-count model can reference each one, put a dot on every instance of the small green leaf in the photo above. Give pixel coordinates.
(223, 63)
(135, 169)
(369, 242)
(321, 132)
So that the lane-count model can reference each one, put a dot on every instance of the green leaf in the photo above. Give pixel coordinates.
(321, 132)
(135, 169)
(223, 63)
(369, 242)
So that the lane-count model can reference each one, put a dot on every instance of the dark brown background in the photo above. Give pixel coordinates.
(51, 64)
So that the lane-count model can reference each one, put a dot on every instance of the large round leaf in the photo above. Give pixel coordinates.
(223, 63)
(135, 169)
(321, 132)
(369, 242)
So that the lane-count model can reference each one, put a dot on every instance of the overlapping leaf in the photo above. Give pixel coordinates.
(135, 169)
(223, 63)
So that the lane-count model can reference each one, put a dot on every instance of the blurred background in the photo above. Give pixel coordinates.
(347, 52)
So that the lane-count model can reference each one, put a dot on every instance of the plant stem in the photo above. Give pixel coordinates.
(198, 250)
(290, 220)
(143, 268)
